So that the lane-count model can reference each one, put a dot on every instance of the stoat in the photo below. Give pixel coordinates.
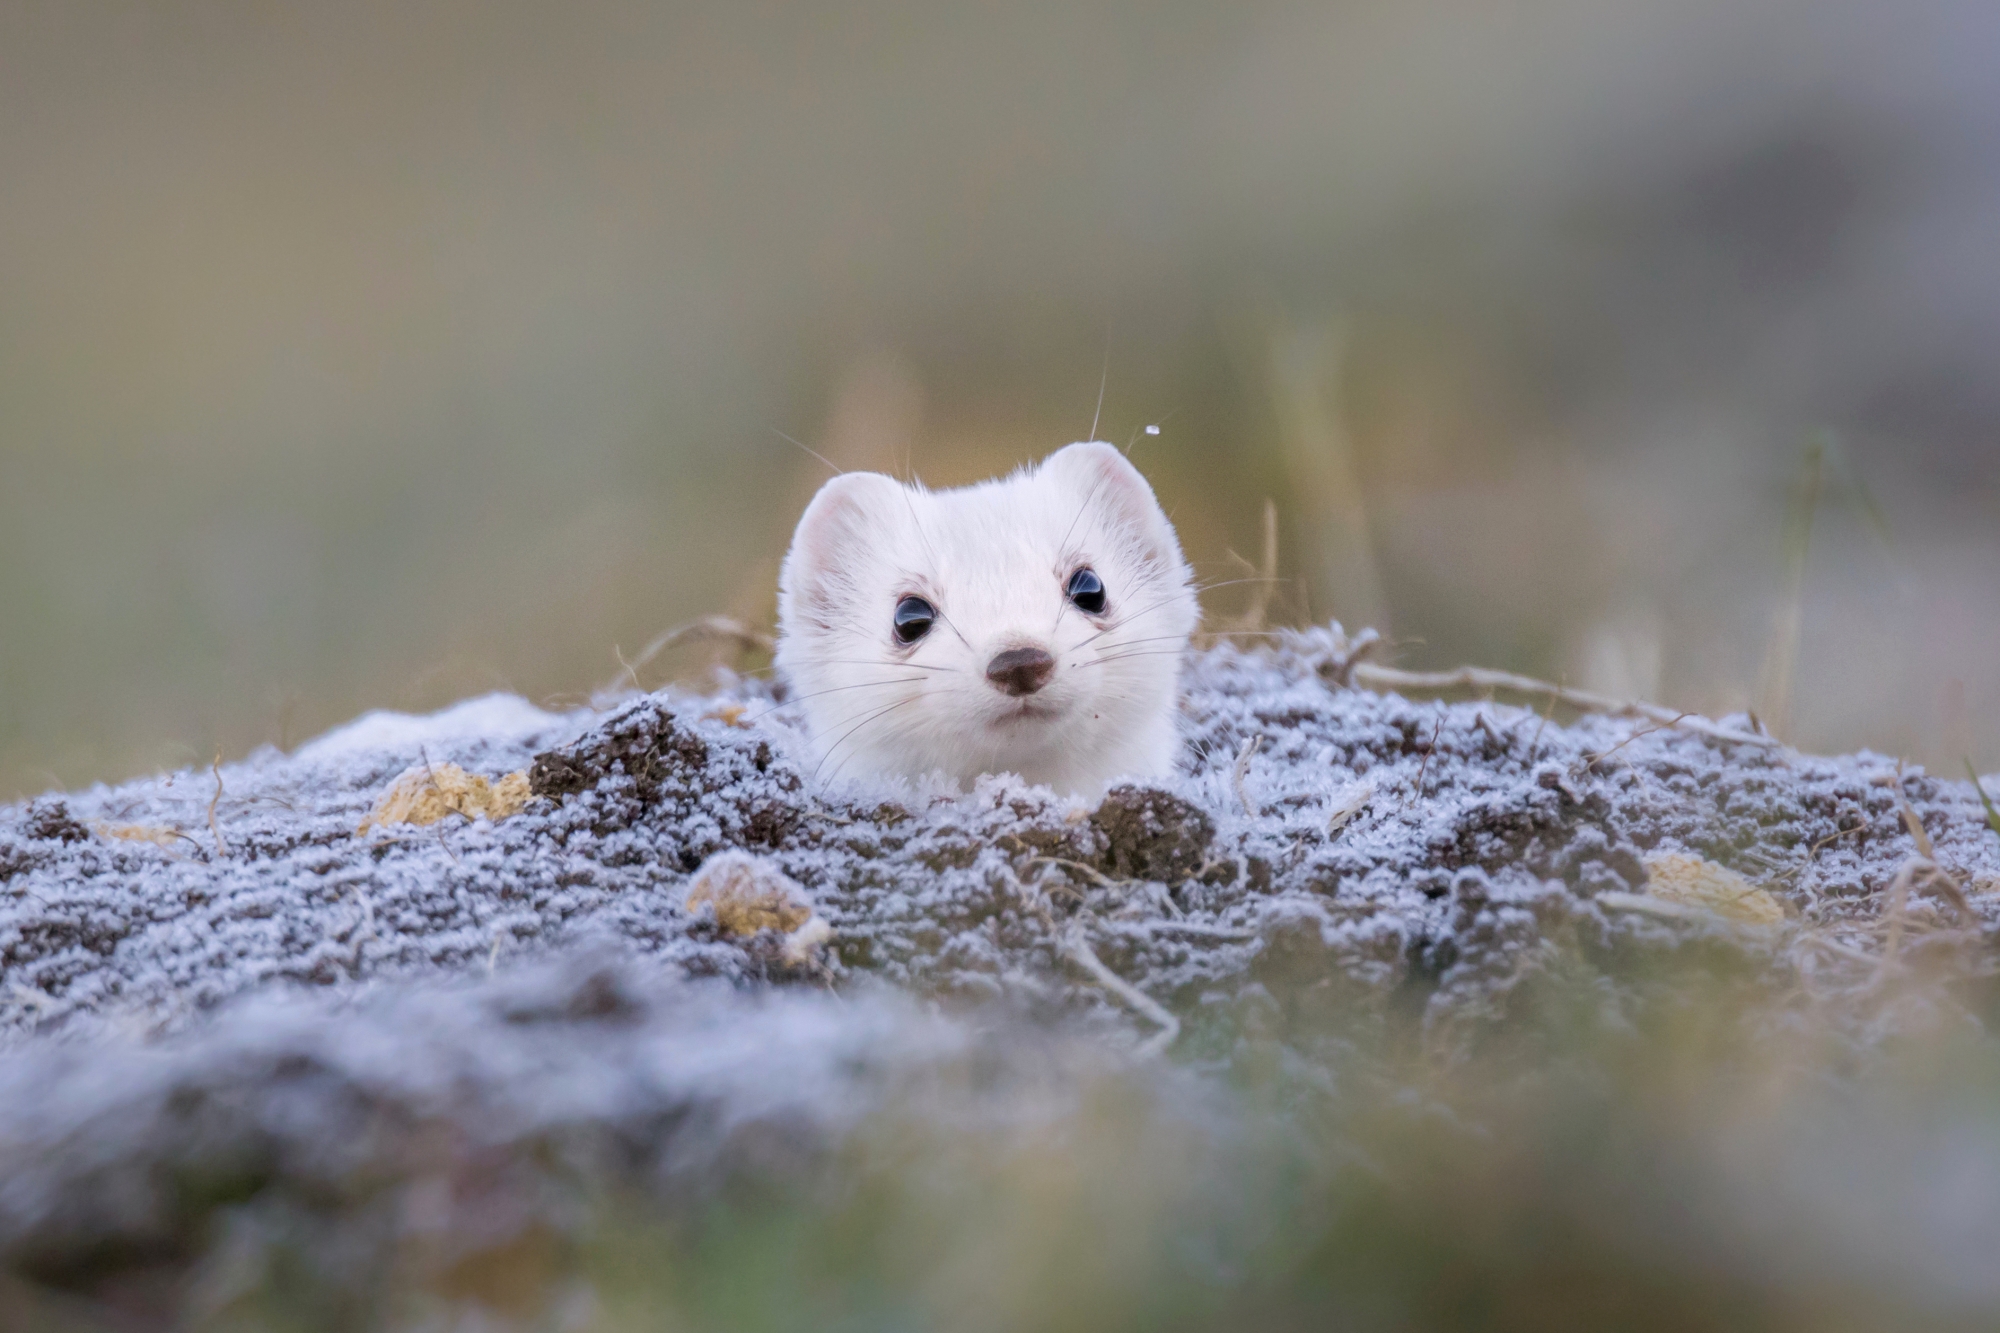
(1033, 624)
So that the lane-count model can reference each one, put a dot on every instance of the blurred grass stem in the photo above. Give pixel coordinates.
(1774, 692)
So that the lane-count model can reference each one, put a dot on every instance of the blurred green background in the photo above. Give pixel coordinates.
(374, 354)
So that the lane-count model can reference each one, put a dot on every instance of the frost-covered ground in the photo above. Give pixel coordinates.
(416, 1068)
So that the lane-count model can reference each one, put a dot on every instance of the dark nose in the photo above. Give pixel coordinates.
(1021, 671)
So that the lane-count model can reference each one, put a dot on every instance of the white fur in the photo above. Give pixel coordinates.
(993, 559)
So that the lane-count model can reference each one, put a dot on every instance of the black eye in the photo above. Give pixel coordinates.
(913, 619)
(1087, 591)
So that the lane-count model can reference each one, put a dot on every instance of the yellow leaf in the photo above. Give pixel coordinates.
(748, 895)
(427, 793)
(1693, 882)
(159, 837)
(730, 714)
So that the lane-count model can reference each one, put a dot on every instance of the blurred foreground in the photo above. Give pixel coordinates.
(814, 1163)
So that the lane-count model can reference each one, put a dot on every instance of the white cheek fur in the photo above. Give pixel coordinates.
(993, 560)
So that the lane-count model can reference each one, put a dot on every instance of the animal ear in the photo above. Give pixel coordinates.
(1105, 479)
(846, 519)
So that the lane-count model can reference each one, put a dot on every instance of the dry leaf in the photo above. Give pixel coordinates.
(748, 895)
(1347, 805)
(1691, 881)
(426, 793)
(729, 715)
(159, 837)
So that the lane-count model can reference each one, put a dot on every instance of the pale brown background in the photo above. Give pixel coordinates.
(373, 354)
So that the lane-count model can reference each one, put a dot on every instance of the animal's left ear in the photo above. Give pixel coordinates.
(1105, 479)
(843, 521)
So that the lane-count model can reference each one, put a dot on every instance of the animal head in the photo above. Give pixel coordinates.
(1032, 624)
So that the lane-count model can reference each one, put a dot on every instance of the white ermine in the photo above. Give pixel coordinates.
(1032, 624)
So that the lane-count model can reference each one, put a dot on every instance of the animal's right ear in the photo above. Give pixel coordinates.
(844, 520)
(1106, 479)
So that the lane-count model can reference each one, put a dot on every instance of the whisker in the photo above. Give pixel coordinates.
(838, 470)
(1103, 378)
(953, 628)
(894, 666)
(1120, 657)
(1153, 429)
(1229, 583)
(1130, 616)
(1151, 638)
(923, 535)
(1199, 588)
(880, 712)
(1063, 545)
(843, 721)
(836, 689)
(1167, 638)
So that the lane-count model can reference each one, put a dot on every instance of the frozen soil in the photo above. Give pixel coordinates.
(217, 990)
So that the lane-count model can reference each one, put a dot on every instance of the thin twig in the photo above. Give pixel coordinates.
(1832, 838)
(430, 776)
(1535, 745)
(1425, 767)
(1481, 678)
(1354, 803)
(1077, 949)
(214, 825)
(1201, 932)
(1935, 874)
(1090, 873)
(1242, 771)
(1479, 720)
(1035, 899)
(631, 671)
(1351, 654)
(725, 628)
(1597, 759)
